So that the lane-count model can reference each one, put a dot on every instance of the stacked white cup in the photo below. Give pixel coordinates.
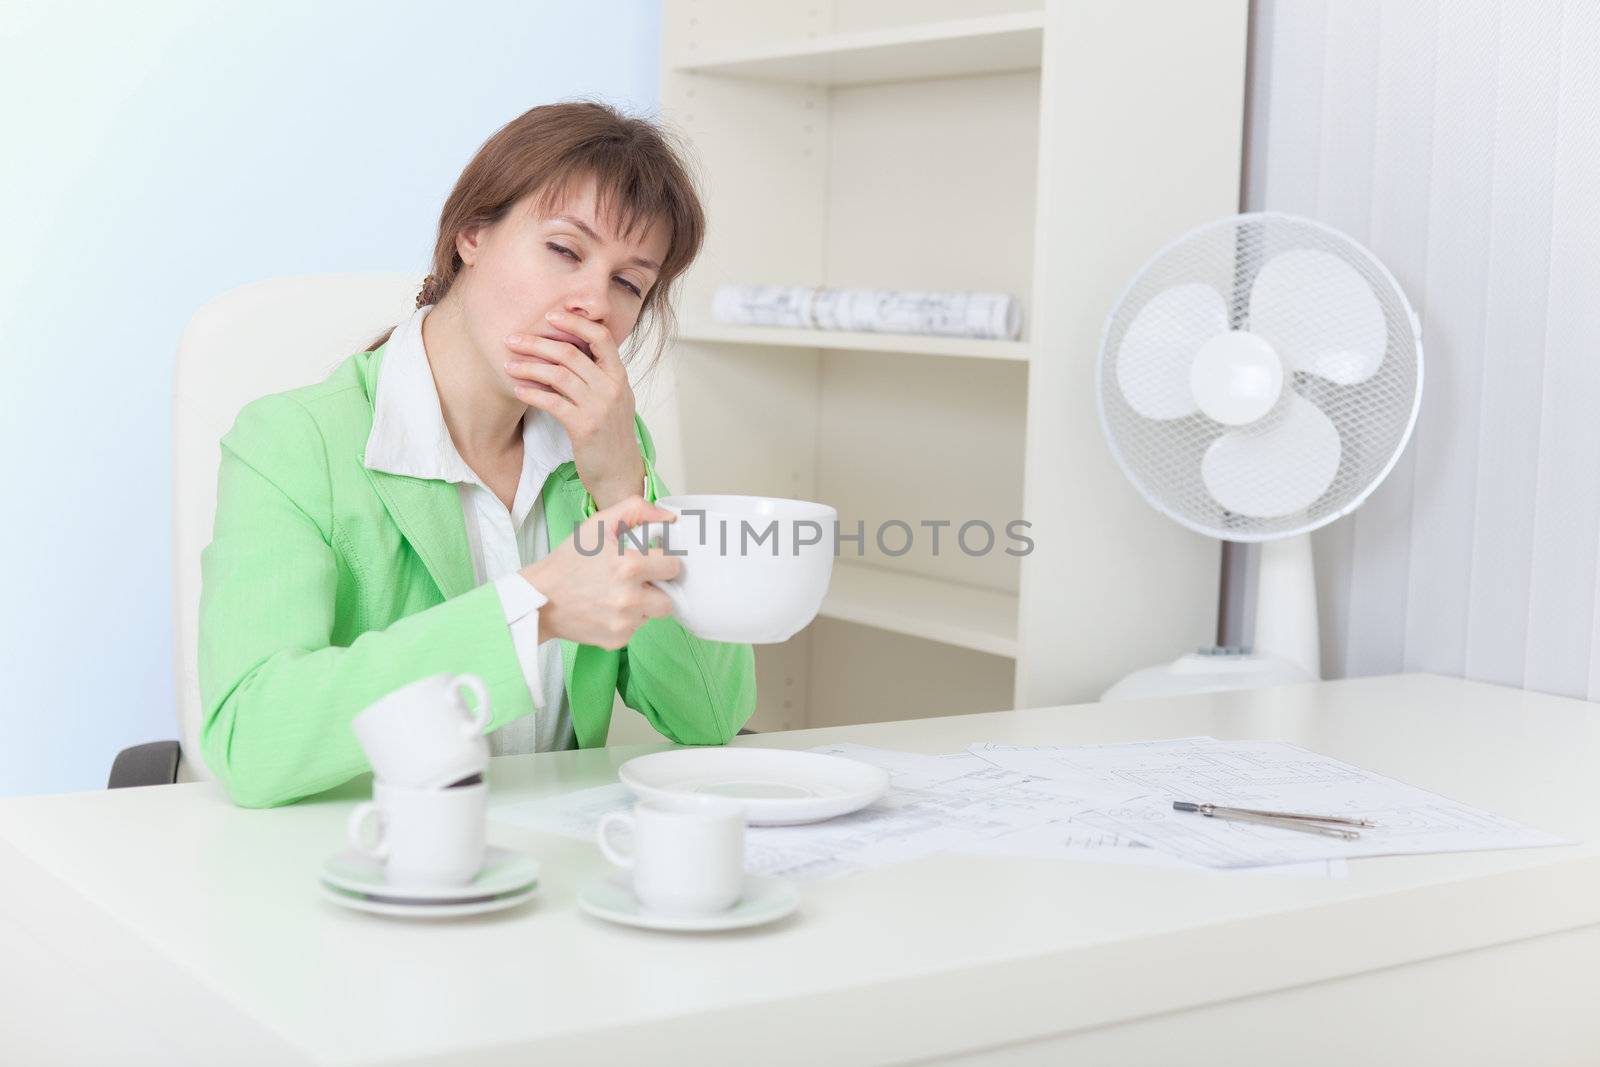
(425, 822)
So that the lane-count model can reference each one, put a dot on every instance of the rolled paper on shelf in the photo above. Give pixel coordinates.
(993, 316)
(763, 305)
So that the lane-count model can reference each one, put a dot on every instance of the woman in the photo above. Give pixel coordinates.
(415, 512)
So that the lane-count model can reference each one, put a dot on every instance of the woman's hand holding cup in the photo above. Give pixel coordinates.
(601, 597)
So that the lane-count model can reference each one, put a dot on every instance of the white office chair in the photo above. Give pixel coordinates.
(258, 339)
(250, 341)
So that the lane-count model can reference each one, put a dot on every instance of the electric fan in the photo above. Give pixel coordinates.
(1257, 379)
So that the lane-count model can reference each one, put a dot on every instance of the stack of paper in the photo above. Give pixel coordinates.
(1099, 803)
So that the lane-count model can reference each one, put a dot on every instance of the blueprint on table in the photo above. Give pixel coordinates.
(958, 802)
(1273, 775)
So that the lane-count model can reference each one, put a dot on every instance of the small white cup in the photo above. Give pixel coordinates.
(688, 854)
(425, 838)
(754, 568)
(423, 734)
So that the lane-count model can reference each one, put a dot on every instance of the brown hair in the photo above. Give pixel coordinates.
(640, 178)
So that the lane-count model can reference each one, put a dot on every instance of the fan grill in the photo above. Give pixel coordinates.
(1373, 418)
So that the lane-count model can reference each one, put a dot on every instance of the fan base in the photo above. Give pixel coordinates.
(1207, 671)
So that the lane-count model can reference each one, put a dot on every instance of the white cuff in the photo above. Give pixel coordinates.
(521, 603)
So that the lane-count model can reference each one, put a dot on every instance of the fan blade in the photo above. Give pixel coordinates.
(1277, 470)
(1320, 314)
(1154, 357)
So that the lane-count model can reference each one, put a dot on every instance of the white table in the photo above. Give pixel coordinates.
(159, 921)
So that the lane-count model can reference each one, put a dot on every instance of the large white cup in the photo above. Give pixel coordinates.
(688, 854)
(423, 735)
(755, 568)
(425, 838)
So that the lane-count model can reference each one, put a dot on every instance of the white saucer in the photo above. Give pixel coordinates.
(777, 787)
(764, 900)
(351, 874)
(413, 909)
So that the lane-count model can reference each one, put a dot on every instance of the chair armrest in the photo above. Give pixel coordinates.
(155, 763)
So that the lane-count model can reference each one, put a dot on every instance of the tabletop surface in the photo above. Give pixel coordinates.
(211, 912)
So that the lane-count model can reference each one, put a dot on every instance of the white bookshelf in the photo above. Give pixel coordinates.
(1043, 148)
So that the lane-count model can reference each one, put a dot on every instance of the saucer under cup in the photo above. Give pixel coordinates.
(762, 900)
(357, 881)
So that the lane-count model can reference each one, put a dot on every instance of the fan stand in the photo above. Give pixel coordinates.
(1268, 588)
(1286, 604)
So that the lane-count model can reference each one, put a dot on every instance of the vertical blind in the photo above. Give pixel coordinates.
(1460, 141)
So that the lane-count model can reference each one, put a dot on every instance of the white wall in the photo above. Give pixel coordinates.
(152, 156)
(1460, 140)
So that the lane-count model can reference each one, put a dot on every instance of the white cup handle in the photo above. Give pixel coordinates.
(615, 818)
(357, 827)
(480, 714)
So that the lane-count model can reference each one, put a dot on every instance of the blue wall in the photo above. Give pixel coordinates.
(154, 156)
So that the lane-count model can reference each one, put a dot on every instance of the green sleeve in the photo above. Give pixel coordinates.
(278, 696)
(693, 691)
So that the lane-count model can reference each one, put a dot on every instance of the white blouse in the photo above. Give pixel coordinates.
(409, 437)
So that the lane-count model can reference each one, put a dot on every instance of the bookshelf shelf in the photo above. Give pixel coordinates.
(955, 48)
(724, 334)
(983, 620)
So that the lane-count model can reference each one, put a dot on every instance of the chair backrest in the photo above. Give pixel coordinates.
(265, 338)
(250, 341)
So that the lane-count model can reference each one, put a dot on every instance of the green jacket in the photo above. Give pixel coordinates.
(327, 585)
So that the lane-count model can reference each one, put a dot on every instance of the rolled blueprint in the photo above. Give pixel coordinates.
(763, 305)
(994, 316)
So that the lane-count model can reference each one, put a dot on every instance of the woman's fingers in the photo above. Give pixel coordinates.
(654, 566)
(555, 375)
(634, 511)
(606, 356)
(562, 353)
(657, 605)
(557, 405)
